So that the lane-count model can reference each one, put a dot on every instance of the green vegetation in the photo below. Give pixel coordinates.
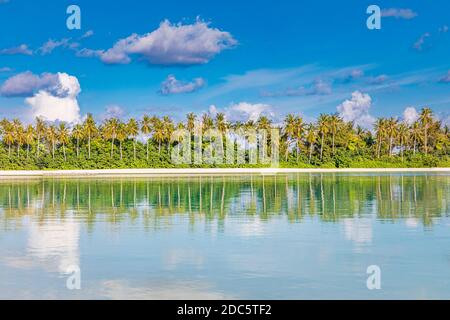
(328, 143)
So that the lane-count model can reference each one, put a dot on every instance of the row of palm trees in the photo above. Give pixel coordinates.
(329, 132)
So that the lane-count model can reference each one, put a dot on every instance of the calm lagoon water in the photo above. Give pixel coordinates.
(305, 236)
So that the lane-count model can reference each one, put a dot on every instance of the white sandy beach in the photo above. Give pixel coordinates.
(212, 171)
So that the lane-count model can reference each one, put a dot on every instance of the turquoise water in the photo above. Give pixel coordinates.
(306, 236)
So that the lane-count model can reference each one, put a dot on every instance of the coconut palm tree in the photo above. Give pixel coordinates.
(132, 129)
(289, 132)
(221, 123)
(168, 129)
(426, 119)
(146, 129)
(323, 128)
(190, 123)
(90, 130)
(29, 137)
(158, 132)
(77, 134)
(380, 129)
(334, 123)
(63, 137)
(52, 138)
(18, 134)
(403, 136)
(298, 133)
(8, 134)
(392, 132)
(311, 139)
(41, 129)
(415, 135)
(207, 122)
(121, 135)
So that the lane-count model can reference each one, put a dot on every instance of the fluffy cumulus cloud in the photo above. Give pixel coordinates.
(22, 49)
(173, 86)
(27, 83)
(399, 13)
(170, 44)
(245, 111)
(410, 115)
(58, 102)
(357, 109)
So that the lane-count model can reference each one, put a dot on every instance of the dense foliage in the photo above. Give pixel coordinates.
(330, 142)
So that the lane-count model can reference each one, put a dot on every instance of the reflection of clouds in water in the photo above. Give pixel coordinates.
(177, 257)
(358, 230)
(56, 242)
(412, 223)
(122, 290)
(250, 228)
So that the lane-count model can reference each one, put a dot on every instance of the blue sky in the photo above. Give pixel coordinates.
(241, 58)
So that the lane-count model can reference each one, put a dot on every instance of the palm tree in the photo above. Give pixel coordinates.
(18, 134)
(334, 123)
(121, 135)
(311, 139)
(158, 132)
(324, 129)
(8, 134)
(190, 122)
(221, 123)
(63, 137)
(146, 129)
(207, 122)
(168, 129)
(110, 132)
(426, 119)
(380, 128)
(289, 132)
(415, 135)
(132, 129)
(90, 130)
(392, 132)
(403, 136)
(52, 138)
(298, 133)
(29, 138)
(78, 134)
(41, 129)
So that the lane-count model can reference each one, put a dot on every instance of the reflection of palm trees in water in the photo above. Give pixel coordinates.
(336, 196)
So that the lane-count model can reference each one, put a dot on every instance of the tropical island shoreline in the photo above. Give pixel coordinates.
(203, 171)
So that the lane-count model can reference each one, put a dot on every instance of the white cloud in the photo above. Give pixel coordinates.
(245, 111)
(51, 45)
(170, 44)
(57, 103)
(5, 69)
(113, 111)
(173, 86)
(22, 49)
(443, 29)
(410, 115)
(26, 83)
(399, 13)
(357, 110)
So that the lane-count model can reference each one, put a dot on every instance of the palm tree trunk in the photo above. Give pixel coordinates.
(333, 143)
(134, 149)
(9, 150)
(321, 147)
(78, 147)
(64, 152)
(426, 140)
(38, 144)
(28, 150)
(147, 148)
(89, 146)
(311, 147)
(121, 155)
(112, 147)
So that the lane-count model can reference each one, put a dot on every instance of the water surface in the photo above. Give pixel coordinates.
(305, 236)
